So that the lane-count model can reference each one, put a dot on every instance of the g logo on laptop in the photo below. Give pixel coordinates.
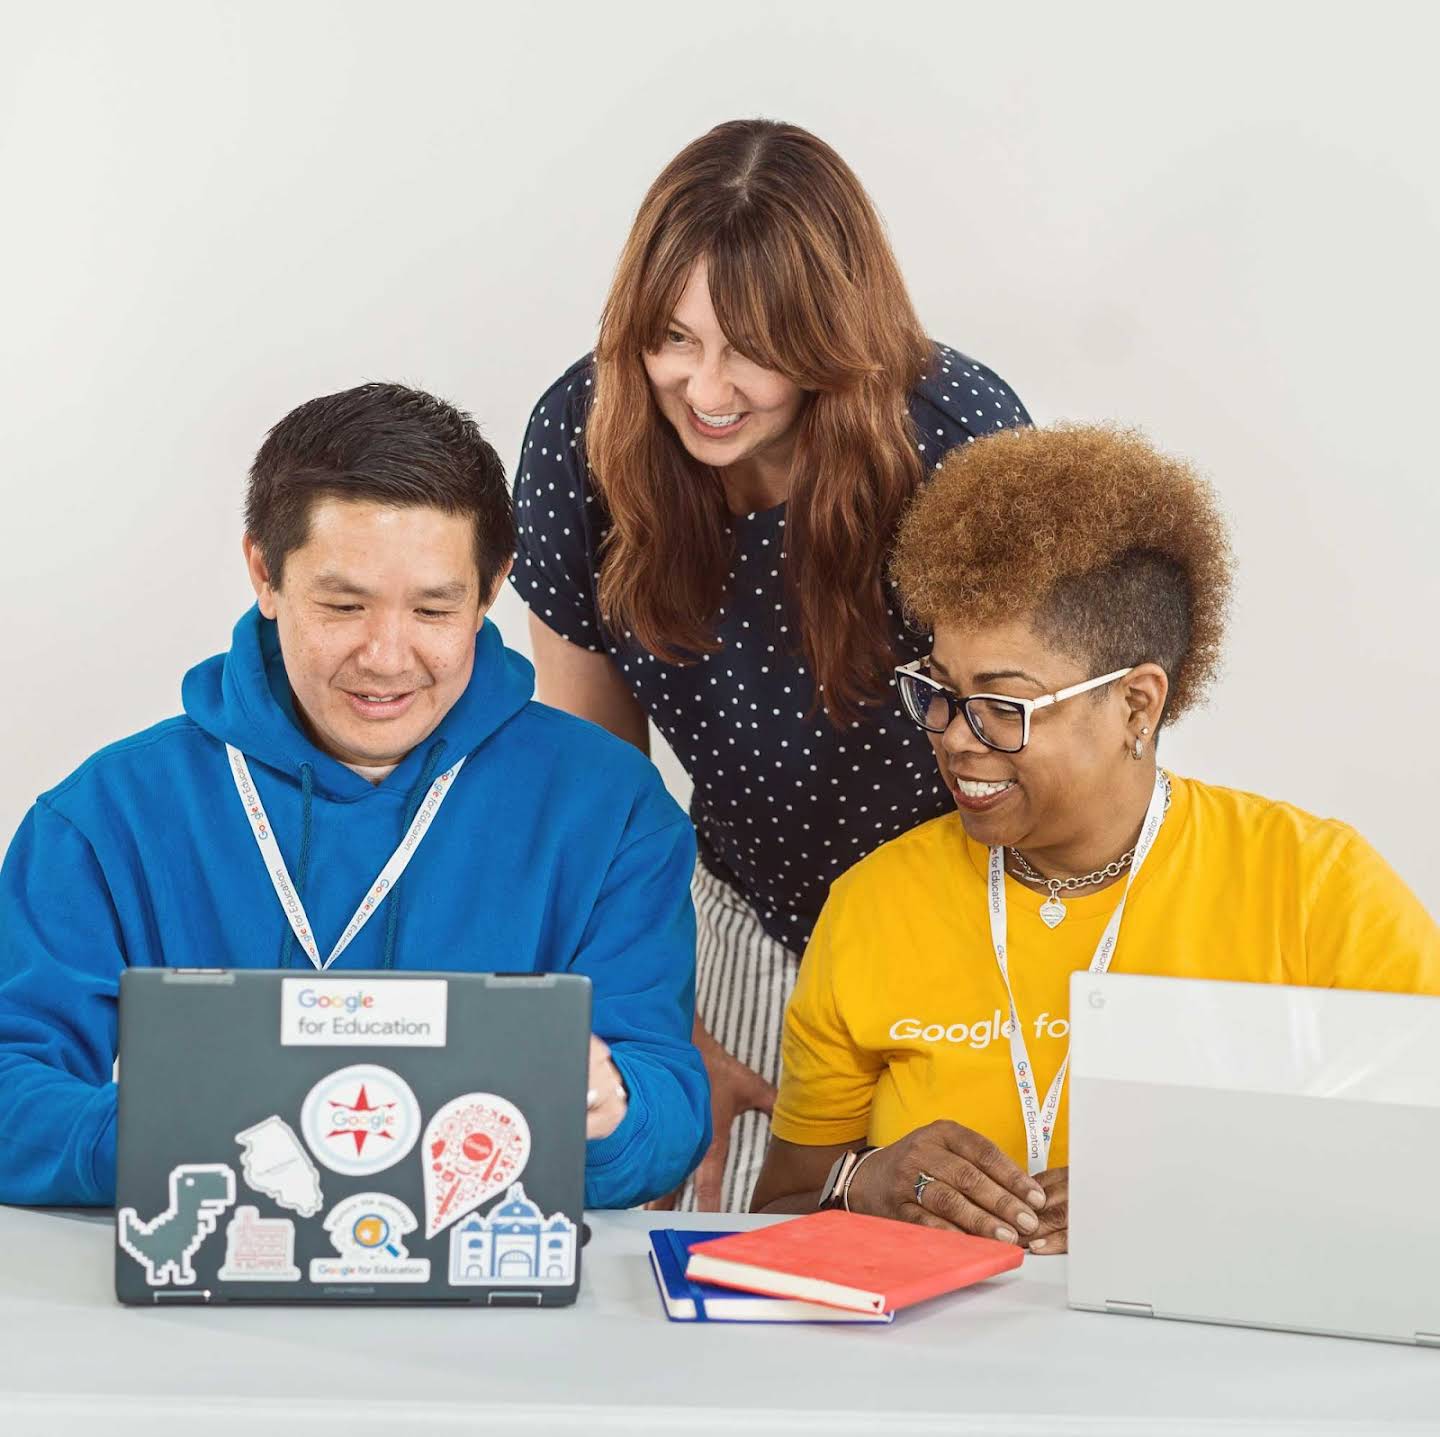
(361, 1119)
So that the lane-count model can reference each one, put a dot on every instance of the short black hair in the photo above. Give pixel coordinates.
(387, 444)
(1134, 610)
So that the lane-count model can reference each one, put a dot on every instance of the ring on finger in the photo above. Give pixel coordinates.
(922, 1181)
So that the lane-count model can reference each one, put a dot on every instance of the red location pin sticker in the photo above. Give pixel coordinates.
(475, 1147)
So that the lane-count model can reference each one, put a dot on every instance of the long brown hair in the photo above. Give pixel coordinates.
(803, 282)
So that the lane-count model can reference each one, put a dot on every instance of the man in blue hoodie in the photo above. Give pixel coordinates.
(367, 721)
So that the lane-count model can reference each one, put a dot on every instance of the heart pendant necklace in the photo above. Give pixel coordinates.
(1052, 910)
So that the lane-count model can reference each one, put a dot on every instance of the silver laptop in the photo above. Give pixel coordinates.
(1254, 1154)
(350, 1137)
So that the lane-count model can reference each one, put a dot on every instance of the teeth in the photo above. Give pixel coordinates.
(715, 421)
(379, 698)
(981, 790)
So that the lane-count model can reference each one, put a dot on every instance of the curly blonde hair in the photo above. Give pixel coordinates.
(1114, 552)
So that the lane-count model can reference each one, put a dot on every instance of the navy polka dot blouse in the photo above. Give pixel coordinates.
(784, 802)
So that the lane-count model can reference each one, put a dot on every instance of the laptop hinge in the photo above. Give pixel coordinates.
(1129, 1309)
(1427, 1339)
(203, 1295)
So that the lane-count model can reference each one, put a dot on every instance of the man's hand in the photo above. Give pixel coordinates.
(973, 1186)
(1052, 1237)
(734, 1089)
(607, 1101)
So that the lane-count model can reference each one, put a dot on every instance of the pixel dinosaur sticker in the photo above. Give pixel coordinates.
(259, 1249)
(475, 1147)
(199, 1193)
(360, 1120)
(274, 1163)
(514, 1244)
(368, 1231)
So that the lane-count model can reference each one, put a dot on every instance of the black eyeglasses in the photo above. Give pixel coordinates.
(997, 720)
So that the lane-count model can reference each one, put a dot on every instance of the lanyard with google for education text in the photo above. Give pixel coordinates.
(1040, 1122)
(280, 875)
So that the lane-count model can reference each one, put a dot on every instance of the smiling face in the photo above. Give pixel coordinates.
(724, 407)
(377, 613)
(1058, 794)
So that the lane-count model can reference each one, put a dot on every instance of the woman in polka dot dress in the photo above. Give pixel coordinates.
(705, 510)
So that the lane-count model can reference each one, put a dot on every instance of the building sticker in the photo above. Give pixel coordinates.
(514, 1244)
(259, 1249)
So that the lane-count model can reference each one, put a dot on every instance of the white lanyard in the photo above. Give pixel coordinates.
(280, 875)
(1040, 1122)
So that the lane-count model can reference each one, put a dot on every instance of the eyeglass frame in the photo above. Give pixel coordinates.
(960, 703)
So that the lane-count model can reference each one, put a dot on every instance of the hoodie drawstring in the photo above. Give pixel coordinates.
(412, 807)
(307, 808)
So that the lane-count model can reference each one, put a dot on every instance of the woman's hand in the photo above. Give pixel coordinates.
(607, 1101)
(973, 1186)
(734, 1089)
(1052, 1237)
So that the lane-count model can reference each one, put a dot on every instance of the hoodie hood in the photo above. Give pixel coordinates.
(243, 698)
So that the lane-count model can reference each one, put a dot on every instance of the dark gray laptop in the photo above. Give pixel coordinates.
(351, 1137)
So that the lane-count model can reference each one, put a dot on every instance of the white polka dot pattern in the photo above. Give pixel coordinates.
(783, 801)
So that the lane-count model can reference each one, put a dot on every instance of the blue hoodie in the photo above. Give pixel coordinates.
(557, 850)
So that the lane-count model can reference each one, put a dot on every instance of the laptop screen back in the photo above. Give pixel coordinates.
(1240, 1153)
(351, 1137)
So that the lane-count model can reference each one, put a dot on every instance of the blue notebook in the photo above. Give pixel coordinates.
(687, 1301)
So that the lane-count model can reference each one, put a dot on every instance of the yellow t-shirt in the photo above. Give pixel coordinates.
(900, 1017)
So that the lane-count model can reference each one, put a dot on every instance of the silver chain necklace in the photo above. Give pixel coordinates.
(1052, 910)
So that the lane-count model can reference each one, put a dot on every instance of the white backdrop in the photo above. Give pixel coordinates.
(1220, 222)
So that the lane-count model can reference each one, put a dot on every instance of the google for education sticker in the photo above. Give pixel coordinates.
(360, 1120)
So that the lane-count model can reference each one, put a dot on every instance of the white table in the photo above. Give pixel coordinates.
(1005, 1358)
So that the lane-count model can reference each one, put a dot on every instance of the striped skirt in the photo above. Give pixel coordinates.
(743, 980)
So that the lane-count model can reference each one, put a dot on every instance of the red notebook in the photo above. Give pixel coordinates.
(846, 1259)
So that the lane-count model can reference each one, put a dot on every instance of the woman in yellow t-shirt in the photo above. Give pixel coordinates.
(1076, 582)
